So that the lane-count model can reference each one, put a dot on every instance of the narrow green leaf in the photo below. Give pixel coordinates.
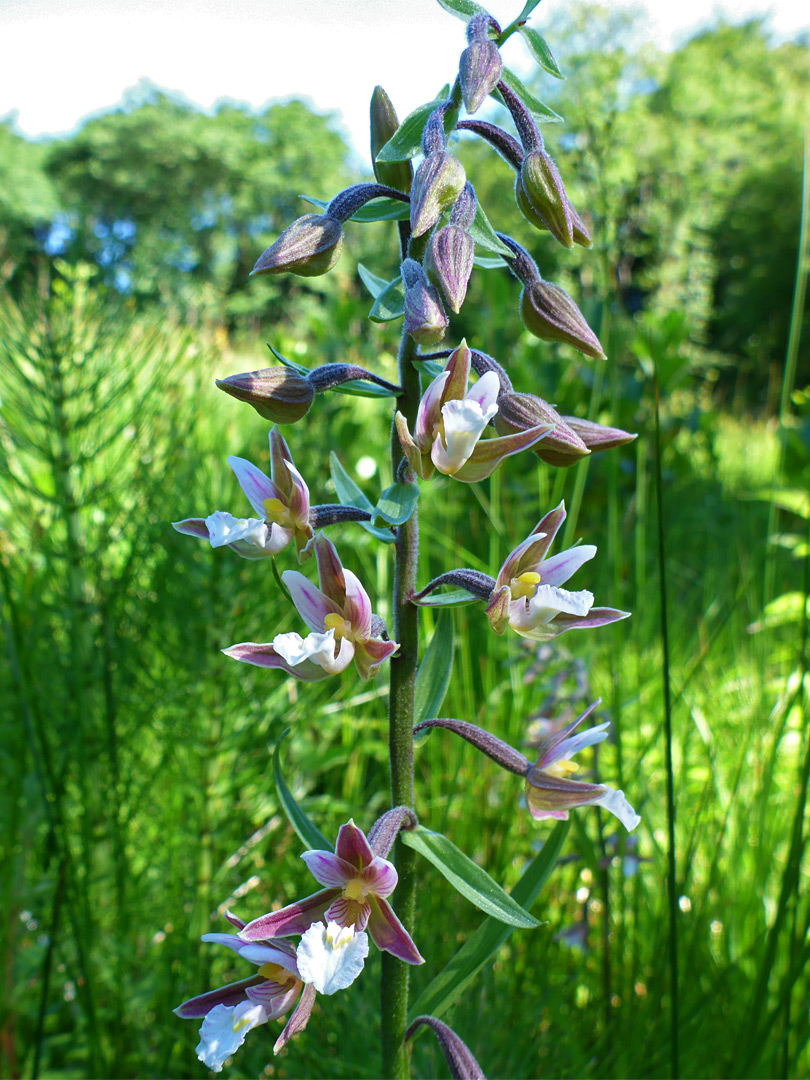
(372, 282)
(379, 209)
(361, 388)
(429, 368)
(397, 503)
(540, 51)
(433, 676)
(307, 833)
(288, 363)
(390, 304)
(484, 235)
(542, 113)
(528, 8)
(349, 493)
(452, 598)
(462, 9)
(467, 877)
(406, 142)
(484, 262)
(455, 977)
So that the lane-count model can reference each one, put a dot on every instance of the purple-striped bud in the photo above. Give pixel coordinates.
(439, 181)
(384, 122)
(598, 436)
(543, 188)
(425, 318)
(448, 263)
(480, 67)
(309, 247)
(457, 1054)
(548, 312)
(279, 394)
(518, 412)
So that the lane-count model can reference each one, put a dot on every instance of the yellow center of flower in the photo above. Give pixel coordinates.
(341, 626)
(355, 890)
(275, 973)
(275, 510)
(562, 768)
(524, 585)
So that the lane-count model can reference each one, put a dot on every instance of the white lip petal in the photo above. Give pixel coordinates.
(617, 804)
(224, 528)
(223, 1031)
(464, 423)
(331, 957)
(293, 649)
(549, 601)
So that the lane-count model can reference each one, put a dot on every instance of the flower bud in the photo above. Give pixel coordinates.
(425, 319)
(543, 188)
(480, 67)
(517, 412)
(460, 1061)
(579, 232)
(449, 261)
(550, 314)
(309, 247)
(598, 436)
(279, 394)
(439, 181)
(384, 122)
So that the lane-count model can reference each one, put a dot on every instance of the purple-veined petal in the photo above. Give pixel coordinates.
(379, 877)
(256, 486)
(292, 919)
(486, 390)
(202, 1004)
(458, 365)
(299, 496)
(527, 554)
(370, 654)
(615, 802)
(298, 1019)
(192, 527)
(330, 572)
(353, 847)
(429, 412)
(259, 953)
(357, 608)
(280, 457)
(310, 603)
(262, 654)
(489, 453)
(275, 998)
(230, 941)
(595, 617)
(559, 568)
(547, 746)
(546, 793)
(568, 747)
(464, 423)
(223, 1031)
(388, 933)
(331, 957)
(328, 868)
(347, 912)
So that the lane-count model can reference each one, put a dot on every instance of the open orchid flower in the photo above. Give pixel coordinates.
(340, 619)
(527, 594)
(450, 422)
(281, 503)
(357, 883)
(230, 1012)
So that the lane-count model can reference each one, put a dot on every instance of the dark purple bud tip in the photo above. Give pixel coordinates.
(480, 69)
(517, 412)
(550, 314)
(309, 247)
(425, 318)
(449, 263)
(460, 1061)
(279, 394)
(544, 191)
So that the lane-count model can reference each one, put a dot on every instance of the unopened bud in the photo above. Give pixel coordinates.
(518, 412)
(550, 314)
(579, 232)
(384, 122)
(439, 181)
(279, 394)
(598, 436)
(543, 188)
(449, 261)
(425, 319)
(480, 67)
(309, 247)
(460, 1061)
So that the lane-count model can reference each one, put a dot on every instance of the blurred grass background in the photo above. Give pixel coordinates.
(137, 799)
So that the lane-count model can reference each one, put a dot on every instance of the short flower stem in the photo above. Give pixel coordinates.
(394, 983)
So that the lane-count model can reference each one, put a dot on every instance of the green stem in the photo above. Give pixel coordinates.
(395, 973)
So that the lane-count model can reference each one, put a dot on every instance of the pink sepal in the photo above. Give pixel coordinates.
(192, 527)
(293, 919)
(328, 868)
(388, 933)
(299, 1018)
(232, 994)
(256, 486)
(353, 847)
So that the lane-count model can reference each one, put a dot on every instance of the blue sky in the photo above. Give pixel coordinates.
(61, 60)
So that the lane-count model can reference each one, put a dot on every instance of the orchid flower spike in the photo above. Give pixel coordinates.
(357, 883)
(450, 422)
(230, 1012)
(281, 503)
(527, 594)
(339, 617)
